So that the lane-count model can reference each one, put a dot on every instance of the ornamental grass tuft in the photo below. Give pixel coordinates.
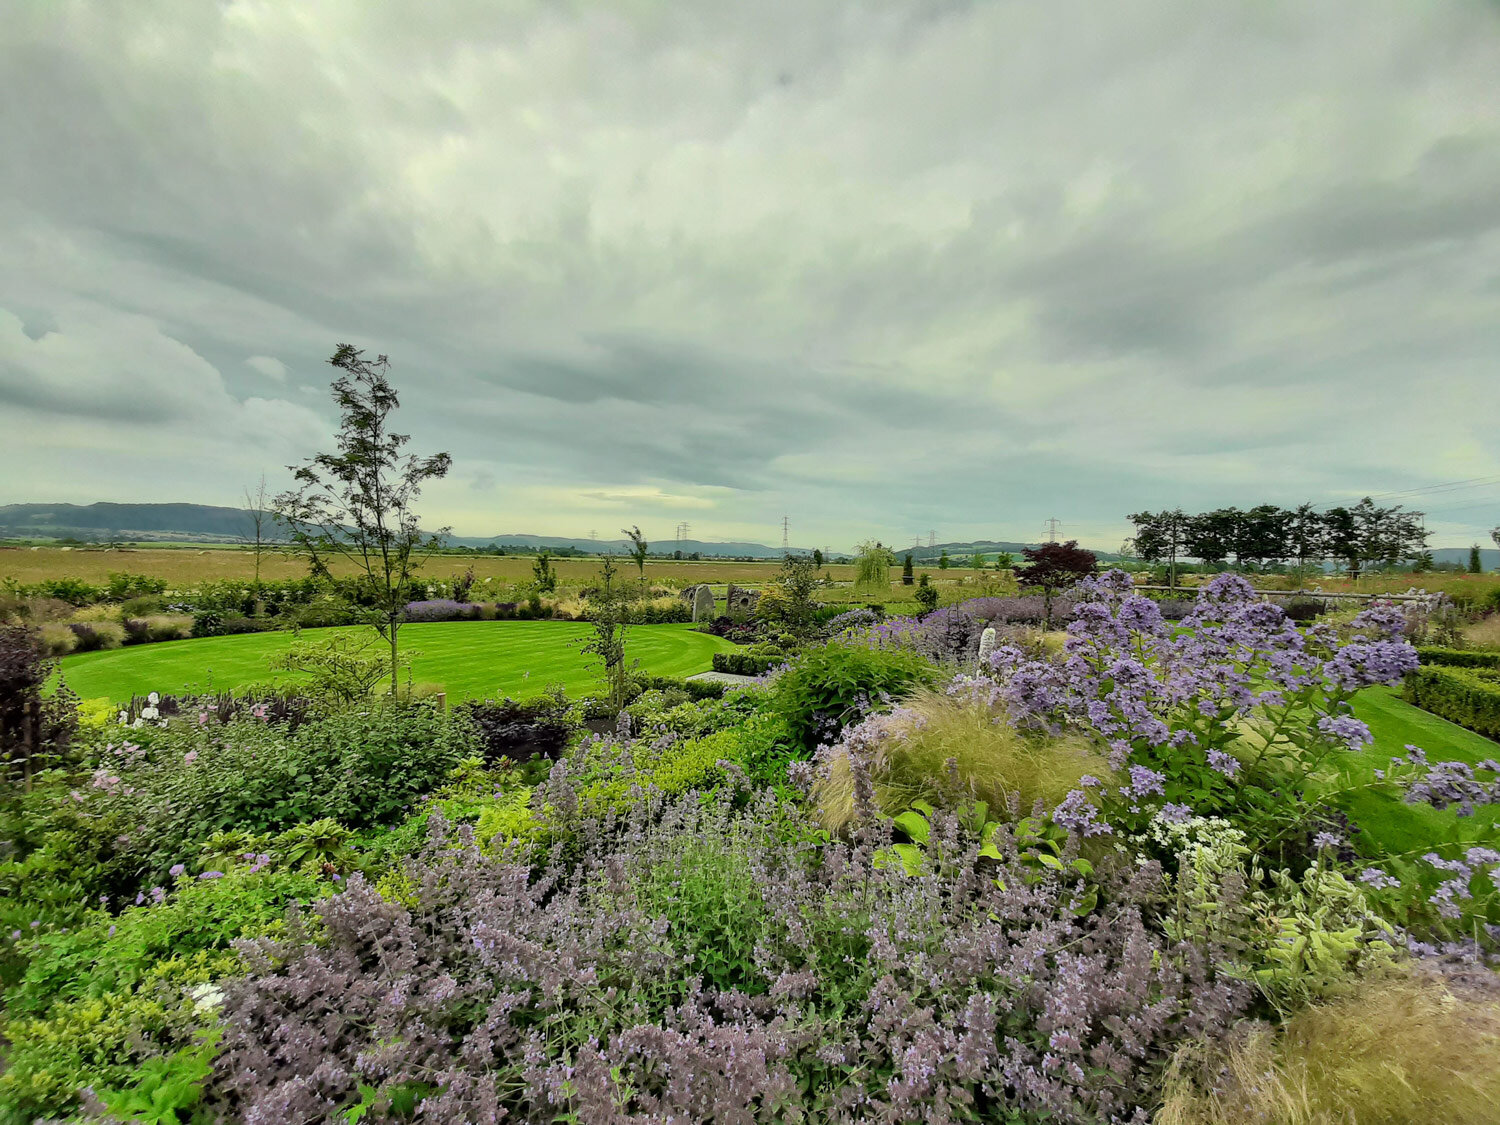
(1406, 1051)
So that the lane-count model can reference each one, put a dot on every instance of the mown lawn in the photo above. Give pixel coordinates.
(1387, 821)
(470, 659)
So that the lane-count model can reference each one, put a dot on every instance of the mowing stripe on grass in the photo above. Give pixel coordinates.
(471, 659)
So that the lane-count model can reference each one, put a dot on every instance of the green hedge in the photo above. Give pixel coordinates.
(751, 662)
(1466, 696)
(1457, 657)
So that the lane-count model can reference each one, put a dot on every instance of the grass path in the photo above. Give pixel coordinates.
(471, 659)
(1387, 821)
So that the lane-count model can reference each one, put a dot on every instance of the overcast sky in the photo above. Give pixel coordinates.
(880, 267)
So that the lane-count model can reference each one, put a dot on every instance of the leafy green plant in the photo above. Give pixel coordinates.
(339, 670)
(167, 1090)
(826, 688)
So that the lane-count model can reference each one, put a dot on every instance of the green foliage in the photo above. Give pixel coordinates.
(357, 505)
(1467, 696)
(927, 595)
(711, 901)
(788, 602)
(543, 577)
(339, 670)
(358, 768)
(638, 548)
(609, 614)
(98, 1003)
(873, 569)
(754, 660)
(167, 1090)
(1458, 657)
(826, 688)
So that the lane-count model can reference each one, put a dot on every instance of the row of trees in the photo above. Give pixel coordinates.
(1269, 535)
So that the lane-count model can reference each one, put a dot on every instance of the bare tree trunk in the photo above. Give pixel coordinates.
(395, 664)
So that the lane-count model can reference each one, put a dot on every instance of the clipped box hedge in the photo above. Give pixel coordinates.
(1469, 697)
(1457, 657)
(754, 662)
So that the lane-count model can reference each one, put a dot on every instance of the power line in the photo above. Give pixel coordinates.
(785, 534)
(1052, 526)
(1440, 485)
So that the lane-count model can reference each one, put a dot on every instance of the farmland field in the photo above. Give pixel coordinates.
(185, 567)
(470, 659)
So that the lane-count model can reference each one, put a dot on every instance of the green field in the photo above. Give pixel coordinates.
(470, 659)
(1390, 823)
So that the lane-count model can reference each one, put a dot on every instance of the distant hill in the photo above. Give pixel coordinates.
(203, 523)
(144, 522)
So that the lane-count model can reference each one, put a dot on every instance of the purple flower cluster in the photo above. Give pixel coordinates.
(698, 964)
(1460, 873)
(1449, 784)
(442, 609)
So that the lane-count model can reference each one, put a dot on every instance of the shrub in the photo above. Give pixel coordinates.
(74, 591)
(659, 611)
(518, 732)
(124, 586)
(696, 689)
(328, 610)
(339, 670)
(100, 998)
(1457, 657)
(1469, 697)
(92, 636)
(1400, 1051)
(754, 661)
(143, 605)
(151, 805)
(58, 639)
(827, 688)
(34, 731)
(932, 740)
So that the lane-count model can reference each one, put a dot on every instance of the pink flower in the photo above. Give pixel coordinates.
(190, 757)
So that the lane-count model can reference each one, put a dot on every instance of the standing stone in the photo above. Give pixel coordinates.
(740, 602)
(703, 604)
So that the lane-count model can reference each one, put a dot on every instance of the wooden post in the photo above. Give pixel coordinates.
(442, 700)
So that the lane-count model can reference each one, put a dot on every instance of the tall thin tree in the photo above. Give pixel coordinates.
(261, 519)
(358, 504)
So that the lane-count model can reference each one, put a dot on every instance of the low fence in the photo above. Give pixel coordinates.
(1326, 595)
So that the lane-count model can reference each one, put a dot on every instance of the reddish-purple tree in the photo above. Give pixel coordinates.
(1054, 567)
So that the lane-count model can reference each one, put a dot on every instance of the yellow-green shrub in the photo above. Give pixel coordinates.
(1402, 1051)
(908, 753)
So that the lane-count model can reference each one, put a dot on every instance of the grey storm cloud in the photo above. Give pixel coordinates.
(880, 266)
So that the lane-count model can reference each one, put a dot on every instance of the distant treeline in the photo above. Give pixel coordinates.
(1269, 535)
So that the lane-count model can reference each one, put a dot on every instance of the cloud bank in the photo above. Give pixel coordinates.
(880, 267)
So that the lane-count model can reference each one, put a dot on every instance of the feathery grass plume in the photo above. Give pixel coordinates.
(1403, 1051)
(908, 752)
